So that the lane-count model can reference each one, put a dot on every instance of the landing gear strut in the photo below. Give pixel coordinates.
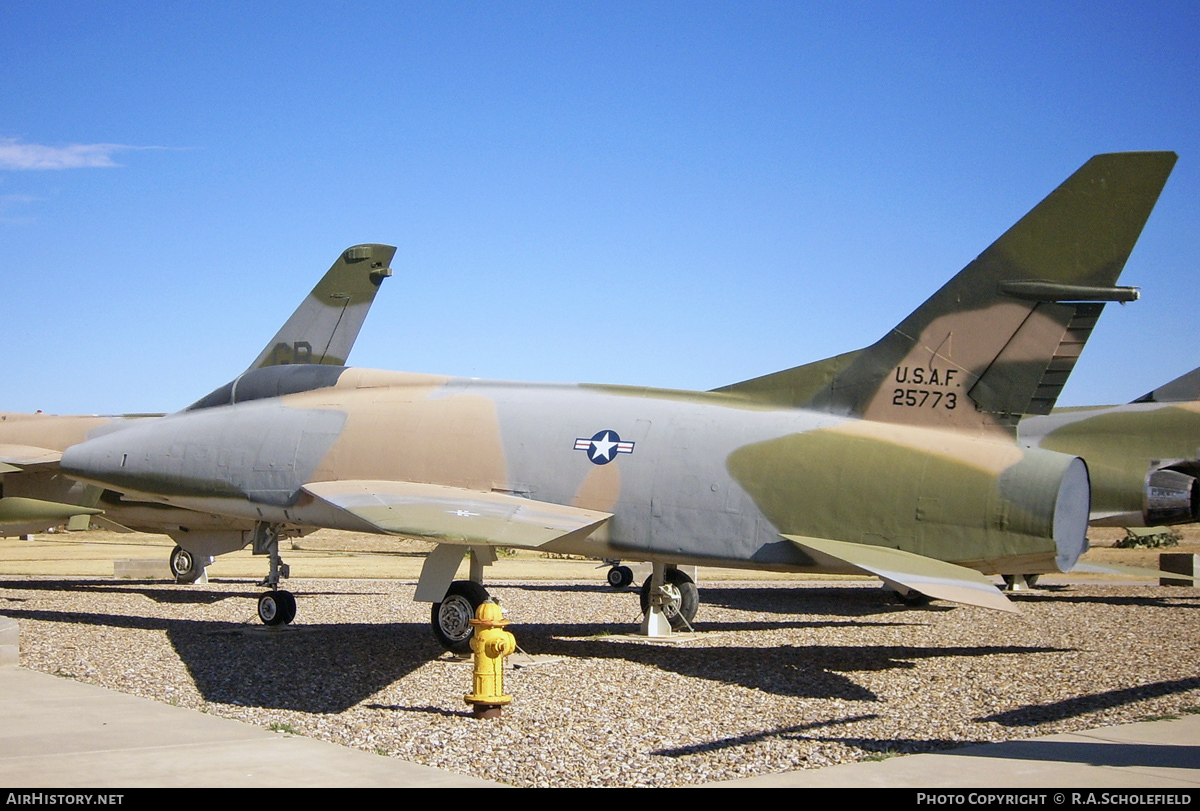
(276, 607)
(1019, 582)
(913, 598)
(678, 597)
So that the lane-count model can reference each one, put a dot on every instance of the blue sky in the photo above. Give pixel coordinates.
(670, 194)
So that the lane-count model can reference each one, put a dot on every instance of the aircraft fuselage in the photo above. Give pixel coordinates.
(689, 477)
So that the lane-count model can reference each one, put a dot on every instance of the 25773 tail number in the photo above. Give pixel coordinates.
(920, 398)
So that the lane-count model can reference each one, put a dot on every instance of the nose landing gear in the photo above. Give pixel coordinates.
(619, 576)
(277, 606)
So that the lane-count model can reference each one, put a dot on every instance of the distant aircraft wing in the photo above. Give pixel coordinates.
(19, 511)
(1182, 389)
(1131, 571)
(17, 457)
(934, 578)
(456, 515)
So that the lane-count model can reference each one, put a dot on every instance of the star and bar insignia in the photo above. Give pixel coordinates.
(603, 447)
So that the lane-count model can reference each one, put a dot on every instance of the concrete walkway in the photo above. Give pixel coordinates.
(1157, 754)
(61, 733)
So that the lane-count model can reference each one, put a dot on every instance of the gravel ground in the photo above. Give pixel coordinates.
(780, 678)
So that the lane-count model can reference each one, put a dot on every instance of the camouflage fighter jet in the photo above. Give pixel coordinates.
(35, 494)
(899, 460)
(1143, 461)
(1143, 457)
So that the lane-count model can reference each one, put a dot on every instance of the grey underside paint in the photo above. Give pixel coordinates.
(701, 514)
(262, 451)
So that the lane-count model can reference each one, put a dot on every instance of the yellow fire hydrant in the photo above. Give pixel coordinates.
(491, 643)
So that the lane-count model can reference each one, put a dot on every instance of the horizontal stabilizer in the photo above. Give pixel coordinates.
(15, 509)
(457, 515)
(23, 456)
(1131, 571)
(933, 578)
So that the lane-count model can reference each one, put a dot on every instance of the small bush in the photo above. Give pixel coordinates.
(1148, 538)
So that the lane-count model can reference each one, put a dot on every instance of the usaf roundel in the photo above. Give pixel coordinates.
(603, 447)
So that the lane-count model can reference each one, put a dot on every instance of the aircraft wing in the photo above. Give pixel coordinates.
(456, 515)
(19, 511)
(18, 457)
(1180, 390)
(934, 578)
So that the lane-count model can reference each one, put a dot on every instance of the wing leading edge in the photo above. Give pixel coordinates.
(456, 515)
(18, 457)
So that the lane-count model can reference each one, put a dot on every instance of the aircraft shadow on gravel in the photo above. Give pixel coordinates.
(1035, 714)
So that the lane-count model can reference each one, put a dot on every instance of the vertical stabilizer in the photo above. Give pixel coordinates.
(325, 325)
(999, 339)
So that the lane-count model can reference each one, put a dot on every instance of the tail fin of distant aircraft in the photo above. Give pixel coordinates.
(999, 339)
(325, 325)
(1182, 389)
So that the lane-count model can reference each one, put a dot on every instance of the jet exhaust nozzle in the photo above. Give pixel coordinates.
(1170, 497)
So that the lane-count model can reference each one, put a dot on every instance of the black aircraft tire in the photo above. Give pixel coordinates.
(451, 618)
(620, 576)
(287, 606)
(272, 607)
(680, 611)
(183, 565)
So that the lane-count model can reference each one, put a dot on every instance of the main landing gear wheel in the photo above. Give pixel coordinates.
(684, 598)
(277, 607)
(620, 576)
(183, 565)
(451, 618)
